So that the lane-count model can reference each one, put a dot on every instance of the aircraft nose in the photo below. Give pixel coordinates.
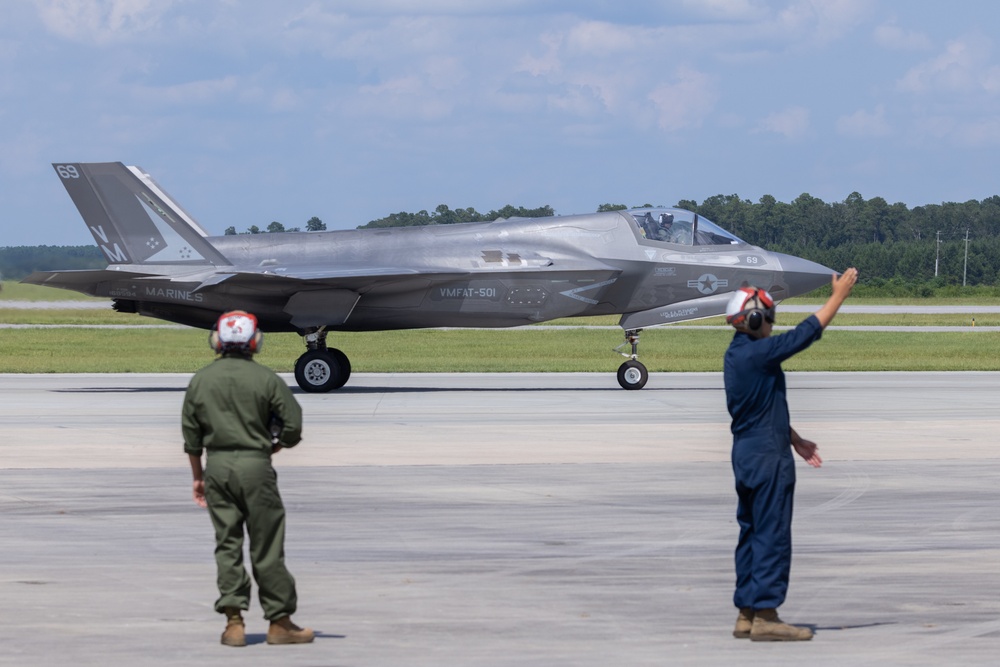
(798, 276)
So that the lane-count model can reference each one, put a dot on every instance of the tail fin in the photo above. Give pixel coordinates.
(132, 219)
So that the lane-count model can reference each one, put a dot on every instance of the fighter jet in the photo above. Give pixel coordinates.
(652, 266)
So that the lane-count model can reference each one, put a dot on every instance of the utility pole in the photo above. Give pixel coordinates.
(937, 254)
(965, 267)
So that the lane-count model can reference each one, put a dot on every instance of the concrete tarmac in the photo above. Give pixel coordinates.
(507, 519)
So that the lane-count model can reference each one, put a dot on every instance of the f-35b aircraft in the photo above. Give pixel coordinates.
(651, 266)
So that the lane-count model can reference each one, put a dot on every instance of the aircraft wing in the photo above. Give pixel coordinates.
(325, 296)
(313, 295)
(319, 296)
(84, 280)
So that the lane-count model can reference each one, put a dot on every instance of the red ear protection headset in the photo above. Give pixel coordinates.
(236, 331)
(761, 309)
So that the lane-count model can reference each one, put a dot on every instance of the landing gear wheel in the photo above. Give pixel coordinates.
(632, 375)
(345, 364)
(320, 371)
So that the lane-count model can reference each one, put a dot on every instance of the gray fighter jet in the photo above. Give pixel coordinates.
(651, 266)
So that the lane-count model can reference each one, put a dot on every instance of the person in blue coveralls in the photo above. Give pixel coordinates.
(763, 440)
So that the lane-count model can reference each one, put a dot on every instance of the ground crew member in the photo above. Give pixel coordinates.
(763, 464)
(241, 413)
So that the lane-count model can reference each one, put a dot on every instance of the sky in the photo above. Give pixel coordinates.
(253, 111)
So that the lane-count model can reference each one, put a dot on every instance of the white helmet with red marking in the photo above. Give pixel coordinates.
(236, 331)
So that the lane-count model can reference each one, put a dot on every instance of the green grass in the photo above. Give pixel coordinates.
(873, 319)
(978, 300)
(539, 351)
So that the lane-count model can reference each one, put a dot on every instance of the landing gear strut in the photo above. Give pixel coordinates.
(321, 369)
(632, 374)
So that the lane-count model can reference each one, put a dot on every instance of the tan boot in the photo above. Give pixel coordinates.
(235, 634)
(767, 627)
(283, 631)
(743, 623)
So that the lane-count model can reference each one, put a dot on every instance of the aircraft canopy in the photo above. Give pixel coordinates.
(680, 227)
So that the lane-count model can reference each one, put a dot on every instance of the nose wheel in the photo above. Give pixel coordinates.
(632, 374)
(321, 369)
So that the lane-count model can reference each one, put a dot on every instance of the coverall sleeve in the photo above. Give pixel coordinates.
(788, 344)
(288, 410)
(190, 426)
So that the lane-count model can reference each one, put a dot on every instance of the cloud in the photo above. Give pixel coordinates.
(955, 132)
(819, 22)
(101, 21)
(776, 29)
(404, 97)
(985, 131)
(592, 38)
(791, 123)
(864, 124)
(434, 7)
(964, 67)
(548, 61)
(641, 77)
(284, 100)
(725, 10)
(684, 101)
(193, 92)
(891, 36)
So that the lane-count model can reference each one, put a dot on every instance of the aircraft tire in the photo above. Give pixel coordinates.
(320, 371)
(345, 365)
(632, 375)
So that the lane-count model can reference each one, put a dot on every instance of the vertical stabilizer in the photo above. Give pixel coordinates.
(132, 219)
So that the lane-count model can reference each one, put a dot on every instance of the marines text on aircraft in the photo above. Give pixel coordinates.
(651, 266)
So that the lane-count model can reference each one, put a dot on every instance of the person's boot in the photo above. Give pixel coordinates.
(235, 634)
(767, 627)
(744, 622)
(283, 631)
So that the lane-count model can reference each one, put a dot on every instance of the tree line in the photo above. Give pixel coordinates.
(443, 215)
(18, 262)
(892, 245)
(314, 224)
(943, 244)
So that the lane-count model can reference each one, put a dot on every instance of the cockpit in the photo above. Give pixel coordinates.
(680, 227)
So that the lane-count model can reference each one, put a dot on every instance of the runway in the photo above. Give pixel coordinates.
(508, 519)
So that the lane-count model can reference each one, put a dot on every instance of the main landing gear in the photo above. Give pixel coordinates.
(632, 374)
(321, 369)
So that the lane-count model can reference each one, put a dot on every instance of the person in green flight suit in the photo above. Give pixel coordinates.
(240, 413)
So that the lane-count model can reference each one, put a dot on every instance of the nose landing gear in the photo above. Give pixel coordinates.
(321, 369)
(632, 374)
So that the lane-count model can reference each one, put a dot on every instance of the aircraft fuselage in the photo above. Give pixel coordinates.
(499, 274)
